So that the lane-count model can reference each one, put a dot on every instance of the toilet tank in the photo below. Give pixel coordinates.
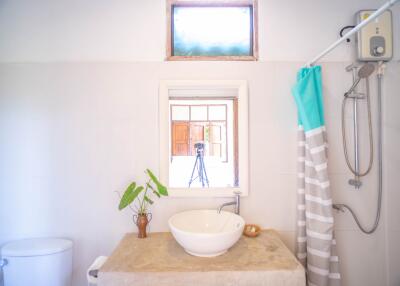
(37, 262)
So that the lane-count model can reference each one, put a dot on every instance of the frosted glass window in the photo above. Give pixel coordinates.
(217, 112)
(212, 31)
(180, 113)
(198, 113)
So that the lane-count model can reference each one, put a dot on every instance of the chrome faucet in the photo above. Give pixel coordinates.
(236, 203)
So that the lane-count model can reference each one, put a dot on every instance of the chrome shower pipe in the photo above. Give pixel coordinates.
(356, 182)
(342, 207)
(353, 93)
(358, 73)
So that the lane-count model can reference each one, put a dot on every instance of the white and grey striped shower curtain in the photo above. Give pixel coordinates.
(316, 245)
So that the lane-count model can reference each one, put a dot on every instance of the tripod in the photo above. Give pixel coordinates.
(199, 165)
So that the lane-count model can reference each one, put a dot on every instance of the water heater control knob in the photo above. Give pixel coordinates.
(378, 51)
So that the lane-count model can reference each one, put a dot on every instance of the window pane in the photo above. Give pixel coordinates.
(217, 112)
(198, 113)
(218, 137)
(212, 31)
(180, 113)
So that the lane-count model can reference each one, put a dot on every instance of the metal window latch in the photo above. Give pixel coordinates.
(3, 262)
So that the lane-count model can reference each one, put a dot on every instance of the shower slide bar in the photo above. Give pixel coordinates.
(374, 15)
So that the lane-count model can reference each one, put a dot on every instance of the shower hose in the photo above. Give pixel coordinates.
(360, 174)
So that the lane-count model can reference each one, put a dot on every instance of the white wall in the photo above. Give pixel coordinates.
(134, 30)
(74, 133)
(391, 170)
(78, 121)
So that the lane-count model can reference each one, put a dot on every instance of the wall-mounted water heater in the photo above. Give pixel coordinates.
(375, 40)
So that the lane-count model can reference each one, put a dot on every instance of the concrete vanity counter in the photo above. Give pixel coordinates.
(159, 260)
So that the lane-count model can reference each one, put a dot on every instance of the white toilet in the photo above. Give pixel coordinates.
(37, 262)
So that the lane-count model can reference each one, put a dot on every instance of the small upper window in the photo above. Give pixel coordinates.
(212, 30)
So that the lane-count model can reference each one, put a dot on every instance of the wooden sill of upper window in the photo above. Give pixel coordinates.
(208, 58)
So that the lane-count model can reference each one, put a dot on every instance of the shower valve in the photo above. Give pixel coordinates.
(356, 183)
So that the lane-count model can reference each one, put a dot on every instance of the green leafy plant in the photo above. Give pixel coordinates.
(142, 196)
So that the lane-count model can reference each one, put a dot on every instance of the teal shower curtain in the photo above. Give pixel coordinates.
(316, 245)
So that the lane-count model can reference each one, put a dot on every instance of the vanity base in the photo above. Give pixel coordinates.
(159, 260)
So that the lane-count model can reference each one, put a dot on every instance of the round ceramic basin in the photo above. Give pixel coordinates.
(206, 233)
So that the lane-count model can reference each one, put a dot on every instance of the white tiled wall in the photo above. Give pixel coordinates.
(75, 133)
(78, 121)
(392, 170)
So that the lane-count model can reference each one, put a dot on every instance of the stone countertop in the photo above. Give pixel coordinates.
(160, 260)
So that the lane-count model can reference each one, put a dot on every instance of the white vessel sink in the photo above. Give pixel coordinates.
(206, 233)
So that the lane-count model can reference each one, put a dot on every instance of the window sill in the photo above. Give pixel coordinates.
(208, 58)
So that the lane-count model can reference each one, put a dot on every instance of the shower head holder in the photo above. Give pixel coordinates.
(354, 95)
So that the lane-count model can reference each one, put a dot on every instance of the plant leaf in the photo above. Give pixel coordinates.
(138, 190)
(127, 196)
(154, 190)
(160, 187)
(162, 190)
(152, 177)
(130, 195)
(147, 199)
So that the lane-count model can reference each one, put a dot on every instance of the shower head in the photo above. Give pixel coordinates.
(365, 71)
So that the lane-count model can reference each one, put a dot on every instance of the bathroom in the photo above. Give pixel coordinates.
(80, 119)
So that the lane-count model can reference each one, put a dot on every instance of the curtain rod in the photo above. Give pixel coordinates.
(372, 17)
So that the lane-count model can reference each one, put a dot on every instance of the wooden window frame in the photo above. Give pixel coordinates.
(213, 3)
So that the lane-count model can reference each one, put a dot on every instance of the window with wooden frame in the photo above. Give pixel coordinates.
(212, 30)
